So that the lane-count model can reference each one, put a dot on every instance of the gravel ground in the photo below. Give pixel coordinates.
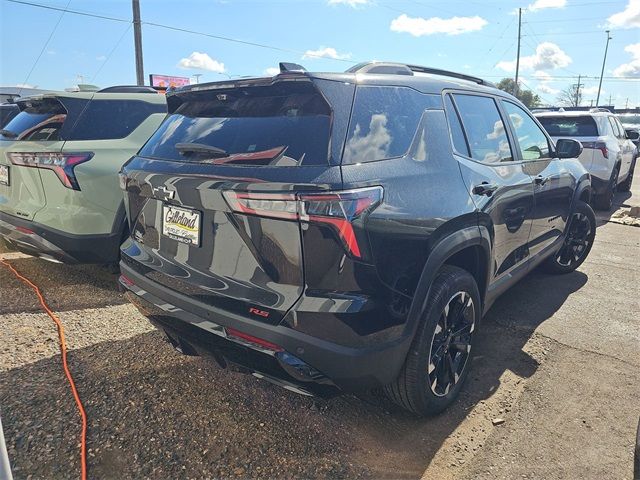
(552, 394)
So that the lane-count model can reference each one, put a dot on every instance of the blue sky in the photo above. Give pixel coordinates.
(561, 39)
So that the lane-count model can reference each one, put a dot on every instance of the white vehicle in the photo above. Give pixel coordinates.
(608, 154)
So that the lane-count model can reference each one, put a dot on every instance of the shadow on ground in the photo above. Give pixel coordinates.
(153, 413)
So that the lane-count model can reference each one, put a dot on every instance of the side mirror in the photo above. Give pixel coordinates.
(632, 134)
(568, 148)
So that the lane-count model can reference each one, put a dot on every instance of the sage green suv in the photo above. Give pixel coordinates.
(59, 163)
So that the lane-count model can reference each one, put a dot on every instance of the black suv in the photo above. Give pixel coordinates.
(341, 231)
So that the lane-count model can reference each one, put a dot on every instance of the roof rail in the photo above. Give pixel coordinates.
(128, 89)
(599, 110)
(407, 69)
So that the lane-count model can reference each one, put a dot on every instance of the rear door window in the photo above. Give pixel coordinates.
(457, 134)
(570, 126)
(532, 140)
(485, 129)
(112, 119)
(384, 122)
(38, 120)
(285, 124)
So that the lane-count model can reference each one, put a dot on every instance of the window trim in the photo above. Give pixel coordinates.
(550, 144)
(508, 133)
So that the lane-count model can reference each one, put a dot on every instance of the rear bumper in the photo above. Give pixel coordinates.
(320, 366)
(36, 239)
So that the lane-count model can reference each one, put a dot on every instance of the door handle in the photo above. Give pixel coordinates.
(485, 188)
(540, 180)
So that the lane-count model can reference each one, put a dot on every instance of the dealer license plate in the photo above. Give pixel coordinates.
(181, 224)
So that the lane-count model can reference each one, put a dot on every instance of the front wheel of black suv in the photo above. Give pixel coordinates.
(439, 358)
(581, 232)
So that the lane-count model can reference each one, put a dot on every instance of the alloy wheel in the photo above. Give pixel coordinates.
(577, 242)
(451, 343)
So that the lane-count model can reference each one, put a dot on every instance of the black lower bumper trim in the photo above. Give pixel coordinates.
(57, 245)
(350, 369)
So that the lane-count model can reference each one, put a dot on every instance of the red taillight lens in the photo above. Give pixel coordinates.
(597, 146)
(62, 164)
(337, 209)
(232, 332)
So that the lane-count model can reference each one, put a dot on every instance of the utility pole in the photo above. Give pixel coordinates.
(137, 39)
(577, 99)
(518, 56)
(604, 61)
(609, 104)
(197, 77)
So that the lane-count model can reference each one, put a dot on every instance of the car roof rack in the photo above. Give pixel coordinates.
(128, 89)
(599, 110)
(392, 68)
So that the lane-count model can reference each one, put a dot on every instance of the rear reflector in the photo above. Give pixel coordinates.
(126, 281)
(25, 230)
(62, 164)
(337, 208)
(232, 332)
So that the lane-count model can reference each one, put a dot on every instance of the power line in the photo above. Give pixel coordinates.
(108, 57)
(183, 30)
(55, 27)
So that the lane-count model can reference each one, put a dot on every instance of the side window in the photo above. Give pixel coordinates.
(484, 127)
(384, 122)
(457, 134)
(111, 119)
(623, 134)
(532, 140)
(614, 127)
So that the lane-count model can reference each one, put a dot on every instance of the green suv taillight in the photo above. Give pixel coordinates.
(62, 164)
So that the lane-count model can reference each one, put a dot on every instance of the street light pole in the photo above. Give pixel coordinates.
(518, 56)
(137, 39)
(604, 61)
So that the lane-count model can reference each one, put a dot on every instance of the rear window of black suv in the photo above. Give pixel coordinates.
(284, 124)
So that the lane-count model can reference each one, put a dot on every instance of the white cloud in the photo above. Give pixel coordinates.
(326, 52)
(548, 56)
(351, 3)
(418, 26)
(51, 52)
(271, 71)
(547, 89)
(24, 85)
(542, 76)
(542, 4)
(201, 61)
(101, 58)
(631, 69)
(628, 18)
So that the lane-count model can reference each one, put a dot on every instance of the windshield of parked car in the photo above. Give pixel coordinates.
(37, 120)
(285, 124)
(570, 126)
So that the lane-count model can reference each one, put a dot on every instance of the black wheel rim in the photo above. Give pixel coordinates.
(451, 344)
(577, 242)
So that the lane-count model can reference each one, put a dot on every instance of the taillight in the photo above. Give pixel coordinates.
(62, 164)
(337, 208)
(597, 146)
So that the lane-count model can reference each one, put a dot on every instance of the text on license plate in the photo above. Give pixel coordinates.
(181, 224)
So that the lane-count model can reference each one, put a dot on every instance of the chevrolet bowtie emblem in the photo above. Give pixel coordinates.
(163, 193)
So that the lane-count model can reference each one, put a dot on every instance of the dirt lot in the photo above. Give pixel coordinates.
(558, 359)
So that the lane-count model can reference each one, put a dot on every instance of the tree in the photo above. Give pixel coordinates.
(571, 96)
(527, 97)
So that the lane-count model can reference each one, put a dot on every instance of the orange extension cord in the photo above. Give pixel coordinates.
(63, 354)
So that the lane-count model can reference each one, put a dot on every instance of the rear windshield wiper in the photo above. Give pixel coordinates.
(8, 133)
(201, 149)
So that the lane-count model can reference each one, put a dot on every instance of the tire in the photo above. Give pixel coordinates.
(426, 384)
(581, 232)
(604, 201)
(626, 185)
